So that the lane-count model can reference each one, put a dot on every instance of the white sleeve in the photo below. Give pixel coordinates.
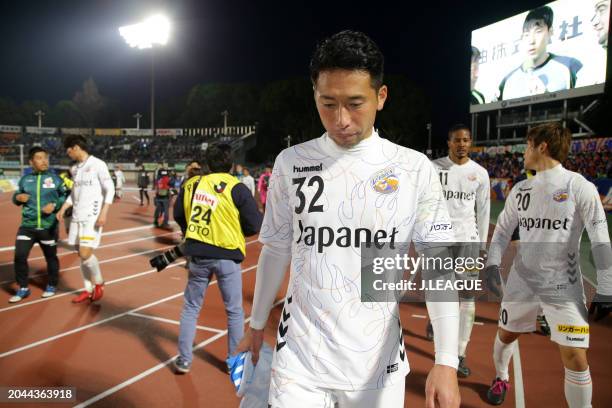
(594, 218)
(444, 318)
(433, 225)
(483, 209)
(108, 187)
(506, 224)
(271, 269)
(277, 226)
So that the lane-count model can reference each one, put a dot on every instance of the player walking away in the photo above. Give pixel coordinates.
(326, 197)
(263, 185)
(467, 190)
(248, 180)
(120, 182)
(552, 207)
(91, 197)
(162, 198)
(41, 194)
(215, 213)
(143, 185)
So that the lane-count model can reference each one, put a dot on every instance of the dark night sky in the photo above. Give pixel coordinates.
(50, 48)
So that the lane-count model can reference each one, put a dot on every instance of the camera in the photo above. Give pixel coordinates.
(161, 261)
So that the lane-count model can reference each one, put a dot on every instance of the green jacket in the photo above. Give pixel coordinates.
(43, 188)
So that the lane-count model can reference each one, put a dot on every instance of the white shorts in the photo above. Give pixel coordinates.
(84, 233)
(289, 394)
(568, 320)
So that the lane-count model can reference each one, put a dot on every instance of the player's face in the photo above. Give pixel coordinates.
(601, 19)
(533, 154)
(534, 42)
(347, 104)
(459, 144)
(473, 74)
(40, 162)
(73, 152)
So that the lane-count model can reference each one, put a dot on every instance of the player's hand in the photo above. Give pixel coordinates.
(22, 198)
(101, 219)
(442, 388)
(48, 209)
(60, 215)
(601, 306)
(492, 279)
(252, 341)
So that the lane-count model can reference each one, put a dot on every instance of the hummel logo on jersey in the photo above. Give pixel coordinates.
(525, 189)
(305, 169)
(343, 237)
(542, 223)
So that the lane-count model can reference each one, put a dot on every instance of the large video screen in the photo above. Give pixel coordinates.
(550, 52)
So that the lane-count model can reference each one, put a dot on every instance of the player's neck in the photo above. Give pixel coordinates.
(538, 62)
(83, 157)
(458, 160)
(546, 163)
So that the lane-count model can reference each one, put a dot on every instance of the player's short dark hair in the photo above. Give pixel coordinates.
(196, 161)
(475, 53)
(36, 149)
(350, 50)
(456, 127)
(543, 13)
(220, 158)
(557, 138)
(76, 140)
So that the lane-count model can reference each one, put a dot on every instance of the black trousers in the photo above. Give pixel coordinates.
(47, 239)
(143, 192)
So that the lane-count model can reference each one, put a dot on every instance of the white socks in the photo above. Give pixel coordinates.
(467, 312)
(578, 388)
(90, 268)
(502, 353)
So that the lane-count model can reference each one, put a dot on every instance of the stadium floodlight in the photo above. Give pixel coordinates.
(153, 31)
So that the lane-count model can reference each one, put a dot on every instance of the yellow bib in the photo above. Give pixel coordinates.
(212, 216)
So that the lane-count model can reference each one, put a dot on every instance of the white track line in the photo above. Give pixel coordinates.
(519, 391)
(106, 283)
(114, 244)
(99, 322)
(118, 258)
(154, 369)
(104, 234)
(174, 322)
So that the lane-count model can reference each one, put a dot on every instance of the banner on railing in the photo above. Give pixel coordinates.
(108, 132)
(41, 130)
(169, 132)
(10, 129)
(137, 132)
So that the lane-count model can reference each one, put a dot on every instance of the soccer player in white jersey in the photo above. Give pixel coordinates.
(467, 190)
(551, 210)
(326, 197)
(91, 196)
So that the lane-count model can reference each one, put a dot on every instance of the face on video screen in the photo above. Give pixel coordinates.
(542, 54)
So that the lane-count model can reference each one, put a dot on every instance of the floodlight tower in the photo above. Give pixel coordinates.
(152, 31)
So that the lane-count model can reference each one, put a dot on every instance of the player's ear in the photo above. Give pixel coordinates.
(382, 96)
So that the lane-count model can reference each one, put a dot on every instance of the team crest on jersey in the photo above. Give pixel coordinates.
(385, 181)
(48, 183)
(472, 177)
(560, 196)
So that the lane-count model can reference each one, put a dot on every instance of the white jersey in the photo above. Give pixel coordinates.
(552, 210)
(468, 196)
(93, 187)
(322, 203)
(120, 178)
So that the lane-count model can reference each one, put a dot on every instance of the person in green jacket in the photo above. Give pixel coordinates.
(41, 194)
